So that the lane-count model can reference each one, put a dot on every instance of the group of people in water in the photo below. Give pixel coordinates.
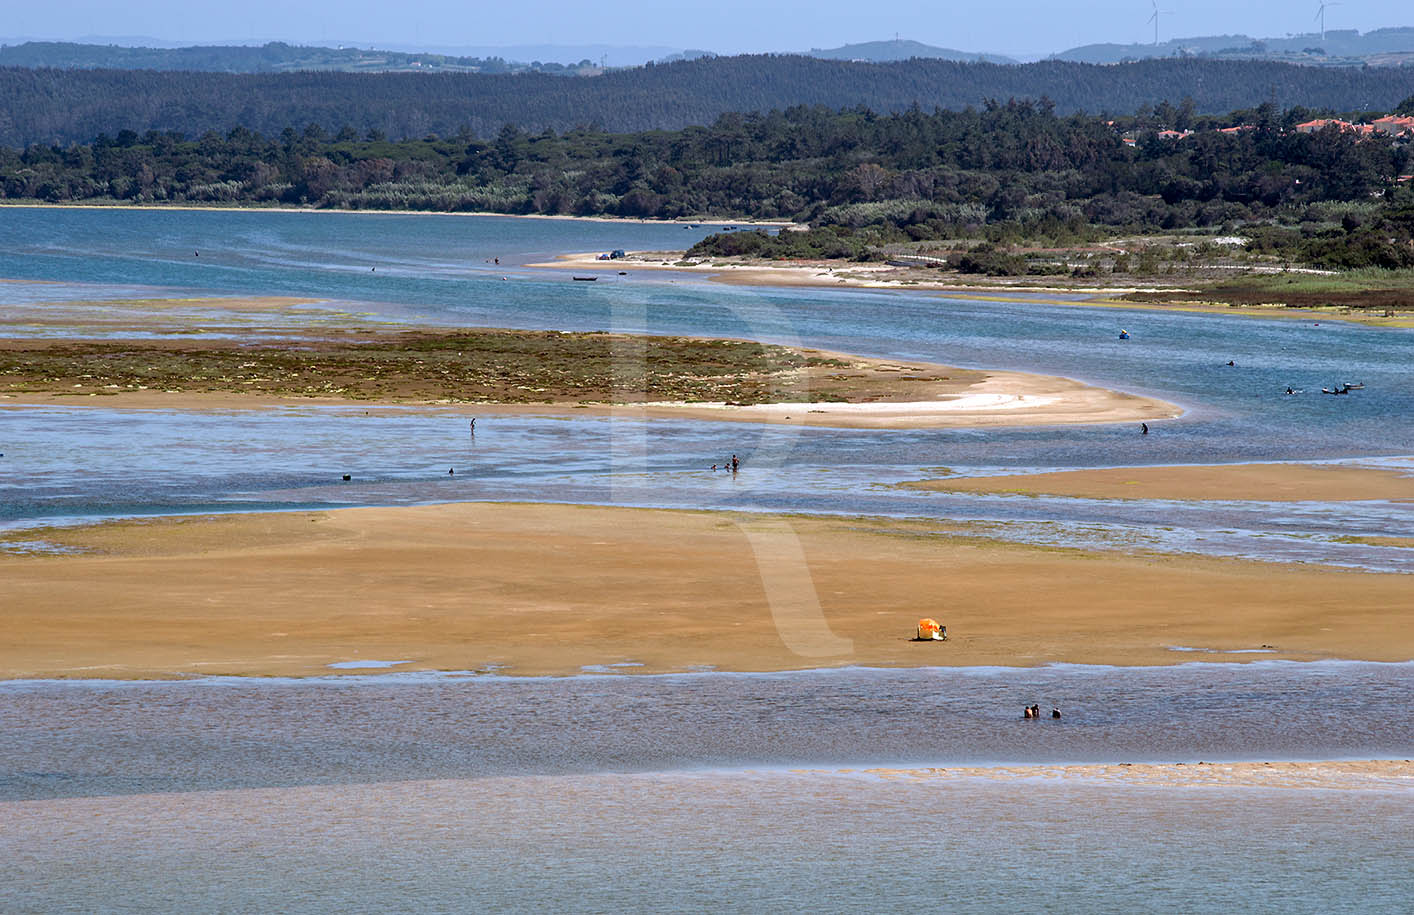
(731, 465)
(1034, 711)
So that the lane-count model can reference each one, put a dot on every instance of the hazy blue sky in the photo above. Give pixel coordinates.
(724, 26)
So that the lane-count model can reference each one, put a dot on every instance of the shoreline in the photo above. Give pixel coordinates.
(378, 672)
(875, 277)
(814, 274)
(547, 589)
(227, 208)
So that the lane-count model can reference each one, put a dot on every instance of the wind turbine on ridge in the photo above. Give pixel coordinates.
(1321, 15)
(1154, 18)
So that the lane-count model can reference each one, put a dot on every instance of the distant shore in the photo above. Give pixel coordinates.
(285, 208)
(877, 276)
(525, 589)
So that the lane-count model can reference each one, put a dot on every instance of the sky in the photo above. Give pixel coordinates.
(724, 26)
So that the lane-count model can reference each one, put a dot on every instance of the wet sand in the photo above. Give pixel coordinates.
(551, 589)
(1230, 482)
(1347, 775)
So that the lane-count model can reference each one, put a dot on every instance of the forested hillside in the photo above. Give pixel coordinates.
(74, 106)
(1017, 165)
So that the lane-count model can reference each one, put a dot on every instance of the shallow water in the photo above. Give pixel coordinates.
(612, 792)
(749, 842)
(737, 792)
(64, 465)
(71, 463)
(61, 739)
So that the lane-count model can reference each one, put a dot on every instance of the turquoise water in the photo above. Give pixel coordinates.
(66, 464)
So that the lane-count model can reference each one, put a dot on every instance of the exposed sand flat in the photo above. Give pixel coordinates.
(1000, 399)
(549, 589)
(1379, 774)
(527, 371)
(1225, 482)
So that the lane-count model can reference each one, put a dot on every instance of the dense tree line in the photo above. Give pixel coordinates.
(927, 175)
(59, 107)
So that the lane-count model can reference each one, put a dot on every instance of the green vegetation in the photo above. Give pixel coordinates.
(1382, 238)
(482, 366)
(1370, 291)
(1003, 174)
(826, 243)
(54, 106)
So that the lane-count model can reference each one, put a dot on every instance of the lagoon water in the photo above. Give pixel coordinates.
(738, 792)
(602, 793)
(64, 464)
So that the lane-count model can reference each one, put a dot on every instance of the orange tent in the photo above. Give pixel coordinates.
(931, 629)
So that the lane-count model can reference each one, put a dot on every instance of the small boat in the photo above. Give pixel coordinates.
(584, 279)
(1124, 335)
(1355, 387)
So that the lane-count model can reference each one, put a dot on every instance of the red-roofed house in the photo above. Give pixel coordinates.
(1394, 125)
(1320, 124)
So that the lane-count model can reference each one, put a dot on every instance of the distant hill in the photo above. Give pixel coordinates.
(689, 54)
(74, 106)
(1339, 47)
(273, 57)
(903, 49)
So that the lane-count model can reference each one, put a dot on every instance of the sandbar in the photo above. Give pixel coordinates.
(554, 589)
(1217, 482)
(1339, 775)
(545, 372)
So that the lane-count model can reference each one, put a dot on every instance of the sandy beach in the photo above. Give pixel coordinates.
(996, 399)
(551, 589)
(1242, 482)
